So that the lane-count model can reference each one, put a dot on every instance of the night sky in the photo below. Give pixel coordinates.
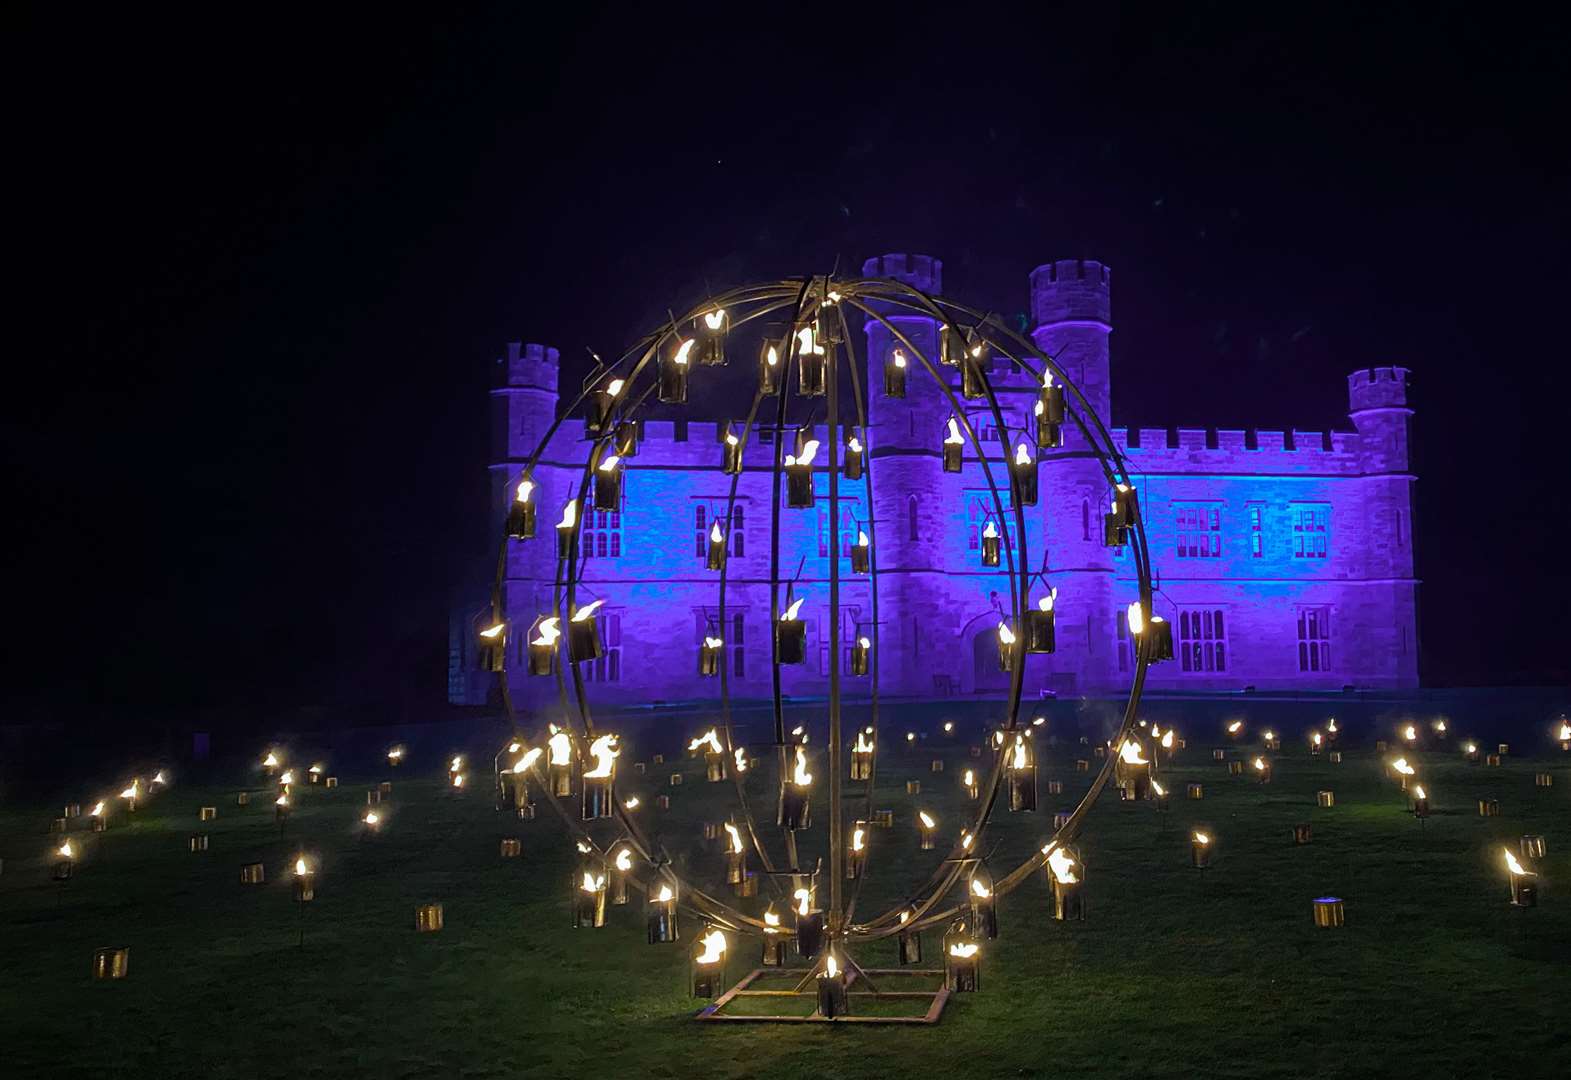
(266, 265)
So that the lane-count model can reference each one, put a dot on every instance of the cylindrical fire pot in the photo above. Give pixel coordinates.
(795, 811)
(1328, 912)
(597, 798)
(833, 1001)
(511, 848)
(962, 974)
(1302, 833)
(1325, 798)
(428, 918)
(910, 942)
(1068, 901)
(113, 963)
(1196, 791)
(1488, 807)
(1055, 787)
(913, 787)
(775, 950)
(252, 874)
(199, 841)
(1022, 788)
(810, 934)
(661, 924)
(1533, 848)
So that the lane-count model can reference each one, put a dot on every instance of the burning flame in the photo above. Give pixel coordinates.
(395, 753)
(587, 611)
(316, 769)
(526, 488)
(713, 642)
(949, 725)
(1235, 727)
(980, 889)
(1006, 636)
(1268, 735)
(731, 439)
(491, 633)
(1410, 733)
(990, 531)
(604, 751)
(1039, 721)
(131, 792)
(954, 438)
(66, 850)
(287, 778)
(804, 898)
(899, 359)
(926, 819)
(1046, 603)
(966, 839)
(864, 642)
(1471, 748)
(715, 535)
(709, 738)
(1331, 726)
(1515, 868)
(1316, 738)
(624, 860)
(1129, 753)
(969, 778)
(561, 745)
(546, 634)
(790, 612)
(1200, 838)
(736, 838)
(714, 948)
(1158, 788)
(864, 745)
(282, 800)
(805, 344)
(1401, 766)
(771, 920)
(371, 817)
(831, 969)
(799, 775)
(1062, 864)
(1167, 738)
(632, 803)
(1022, 455)
(158, 777)
(665, 895)
(963, 950)
(772, 357)
(609, 463)
(527, 762)
(858, 838)
(715, 320)
(1018, 760)
(741, 759)
(592, 882)
(569, 515)
(1137, 618)
(809, 451)
(1565, 732)
(271, 760)
(681, 353)
(1440, 726)
(1260, 764)
(614, 387)
(458, 779)
(300, 868)
(910, 736)
(456, 764)
(1418, 792)
(98, 809)
(861, 539)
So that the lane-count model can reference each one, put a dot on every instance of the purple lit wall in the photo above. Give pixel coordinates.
(1284, 559)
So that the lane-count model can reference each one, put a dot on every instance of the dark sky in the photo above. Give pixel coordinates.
(267, 265)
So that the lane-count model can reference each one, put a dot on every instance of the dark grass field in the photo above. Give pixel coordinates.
(1434, 975)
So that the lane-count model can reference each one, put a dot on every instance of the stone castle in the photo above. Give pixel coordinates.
(1284, 560)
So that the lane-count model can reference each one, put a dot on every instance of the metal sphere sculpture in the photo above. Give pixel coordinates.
(800, 365)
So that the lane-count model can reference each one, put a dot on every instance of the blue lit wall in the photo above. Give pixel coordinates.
(1227, 513)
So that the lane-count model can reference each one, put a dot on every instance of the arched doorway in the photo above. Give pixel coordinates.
(985, 676)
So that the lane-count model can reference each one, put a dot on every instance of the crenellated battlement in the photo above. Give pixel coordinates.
(1262, 451)
(1071, 290)
(529, 365)
(1377, 388)
(920, 271)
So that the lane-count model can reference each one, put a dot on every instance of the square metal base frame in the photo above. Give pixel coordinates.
(936, 1000)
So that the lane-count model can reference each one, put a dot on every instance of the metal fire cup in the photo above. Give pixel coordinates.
(661, 925)
(1488, 807)
(99, 823)
(252, 874)
(112, 963)
(1302, 834)
(810, 934)
(910, 947)
(747, 886)
(73, 810)
(938, 765)
(1235, 768)
(207, 813)
(1533, 848)
(962, 974)
(511, 848)
(1325, 798)
(1328, 911)
(199, 841)
(1082, 765)
(884, 819)
(913, 787)
(1068, 903)
(1336, 757)
(1492, 759)
(330, 782)
(1196, 791)
(1055, 787)
(1218, 755)
(1543, 779)
(428, 918)
(243, 799)
(775, 948)
(833, 1000)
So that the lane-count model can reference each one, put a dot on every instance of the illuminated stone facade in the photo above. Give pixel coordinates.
(1284, 559)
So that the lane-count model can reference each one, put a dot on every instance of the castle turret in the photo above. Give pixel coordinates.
(1377, 400)
(1377, 403)
(523, 405)
(906, 438)
(1071, 305)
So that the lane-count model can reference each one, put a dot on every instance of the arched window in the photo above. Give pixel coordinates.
(911, 530)
(1085, 519)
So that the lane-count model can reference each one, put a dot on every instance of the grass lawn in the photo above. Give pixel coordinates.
(1434, 974)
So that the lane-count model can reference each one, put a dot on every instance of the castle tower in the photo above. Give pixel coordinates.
(909, 484)
(1071, 306)
(523, 405)
(1377, 400)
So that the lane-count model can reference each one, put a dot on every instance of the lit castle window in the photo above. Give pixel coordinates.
(1199, 530)
(1311, 530)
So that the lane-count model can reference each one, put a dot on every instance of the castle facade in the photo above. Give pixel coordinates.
(1283, 559)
